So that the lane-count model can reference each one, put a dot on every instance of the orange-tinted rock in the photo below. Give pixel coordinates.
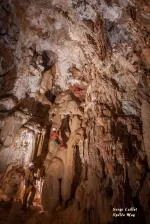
(146, 54)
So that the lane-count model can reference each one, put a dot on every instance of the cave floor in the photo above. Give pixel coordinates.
(12, 212)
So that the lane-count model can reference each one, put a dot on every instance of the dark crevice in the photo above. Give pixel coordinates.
(65, 128)
(77, 171)
(60, 194)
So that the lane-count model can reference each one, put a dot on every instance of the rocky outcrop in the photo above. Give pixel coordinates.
(79, 69)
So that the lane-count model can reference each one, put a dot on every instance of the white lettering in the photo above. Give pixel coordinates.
(117, 209)
(130, 215)
(118, 214)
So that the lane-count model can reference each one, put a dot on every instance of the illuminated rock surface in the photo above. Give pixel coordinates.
(82, 67)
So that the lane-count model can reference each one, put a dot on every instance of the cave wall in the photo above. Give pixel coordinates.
(101, 47)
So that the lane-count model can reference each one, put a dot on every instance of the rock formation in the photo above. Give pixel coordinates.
(79, 68)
